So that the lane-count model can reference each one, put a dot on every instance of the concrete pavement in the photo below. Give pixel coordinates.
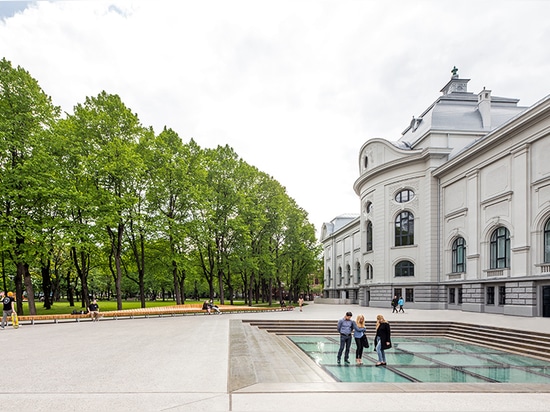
(215, 363)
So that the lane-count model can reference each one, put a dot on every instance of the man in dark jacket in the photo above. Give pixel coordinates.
(345, 328)
(394, 304)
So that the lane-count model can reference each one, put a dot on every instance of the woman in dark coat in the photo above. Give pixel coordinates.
(382, 341)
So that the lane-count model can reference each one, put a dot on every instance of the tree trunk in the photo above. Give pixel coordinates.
(30, 291)
(47, 285)
(116, 248)
(19, 287)
(175, 280)
(81, 264)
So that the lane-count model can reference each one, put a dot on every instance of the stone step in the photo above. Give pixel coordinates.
(510, 340)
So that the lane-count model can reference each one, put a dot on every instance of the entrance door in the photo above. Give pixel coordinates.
(546, 301)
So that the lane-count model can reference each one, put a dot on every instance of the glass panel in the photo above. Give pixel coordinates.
(427, 359)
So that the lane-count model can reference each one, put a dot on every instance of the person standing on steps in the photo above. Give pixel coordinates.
(359, 335)
(382, 341)
(401, 302)
(345, 328)
(394, 304)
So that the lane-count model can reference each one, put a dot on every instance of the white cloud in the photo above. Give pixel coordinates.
(295, 87)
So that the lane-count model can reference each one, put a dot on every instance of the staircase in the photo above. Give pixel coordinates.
(516, 341)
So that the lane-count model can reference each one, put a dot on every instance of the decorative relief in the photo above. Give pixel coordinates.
(394, 206)
(497, 208)
(413, 203)
(543, 194)
(540, 163)
(397, 187)
(495, 180)
(454, 196)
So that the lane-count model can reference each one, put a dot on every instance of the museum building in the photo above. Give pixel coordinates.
(453, 215)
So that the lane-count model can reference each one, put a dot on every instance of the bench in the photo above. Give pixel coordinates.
(189, 309)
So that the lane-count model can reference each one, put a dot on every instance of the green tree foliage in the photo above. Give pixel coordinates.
(113, 132)
(97, 204)
(26, 116)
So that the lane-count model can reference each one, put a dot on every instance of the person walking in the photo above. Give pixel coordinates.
(359, 335)
(401, 302)
(301, 302)
(394, 304)
(345, 328)
(8, 307)
(382, 341)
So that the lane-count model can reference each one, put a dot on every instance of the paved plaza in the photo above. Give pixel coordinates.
(217, 363)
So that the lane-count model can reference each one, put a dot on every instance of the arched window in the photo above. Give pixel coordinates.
(348, 274)
(404, 196)
(357, 272)
(368, 271)
(500, 248)
(404, 268)
(369, 236)
(340, 275)
(368, 207)
(547, 242)
(404, 229)
(459, 255)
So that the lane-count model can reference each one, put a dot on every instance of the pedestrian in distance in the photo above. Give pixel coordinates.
(345, 329)
(382, 341)
(401, 302)
(93, 310)
(301, 302)
(214, 307)
(360, 339)
(394, 304)
(8, 302)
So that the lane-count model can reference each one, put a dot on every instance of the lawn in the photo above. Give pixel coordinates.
(63, 306)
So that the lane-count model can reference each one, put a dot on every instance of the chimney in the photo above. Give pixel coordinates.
(484, 107)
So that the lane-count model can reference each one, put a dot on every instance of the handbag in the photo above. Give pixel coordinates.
(364, 341)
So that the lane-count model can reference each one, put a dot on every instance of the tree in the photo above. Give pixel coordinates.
(174, 171)
(26, 115)
(301, 251)
(114, 166)
(217, 204)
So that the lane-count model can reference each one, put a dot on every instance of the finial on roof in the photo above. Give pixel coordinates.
(454, 71)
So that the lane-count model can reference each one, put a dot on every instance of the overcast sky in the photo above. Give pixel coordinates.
(294, 87)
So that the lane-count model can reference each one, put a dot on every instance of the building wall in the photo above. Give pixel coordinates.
(497, 179)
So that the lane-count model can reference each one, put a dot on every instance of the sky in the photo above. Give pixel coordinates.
(294, 87)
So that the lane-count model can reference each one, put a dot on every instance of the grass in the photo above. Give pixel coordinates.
(63, 307)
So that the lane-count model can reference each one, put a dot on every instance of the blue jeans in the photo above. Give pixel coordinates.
(380, 351)
(344, 341)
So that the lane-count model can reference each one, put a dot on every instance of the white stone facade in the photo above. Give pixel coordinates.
(454, 215)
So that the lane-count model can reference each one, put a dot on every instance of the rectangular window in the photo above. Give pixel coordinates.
(490, 295)
(502, 295)
(451, 295)
(460, 296)
(397, 292)
(409, 295)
